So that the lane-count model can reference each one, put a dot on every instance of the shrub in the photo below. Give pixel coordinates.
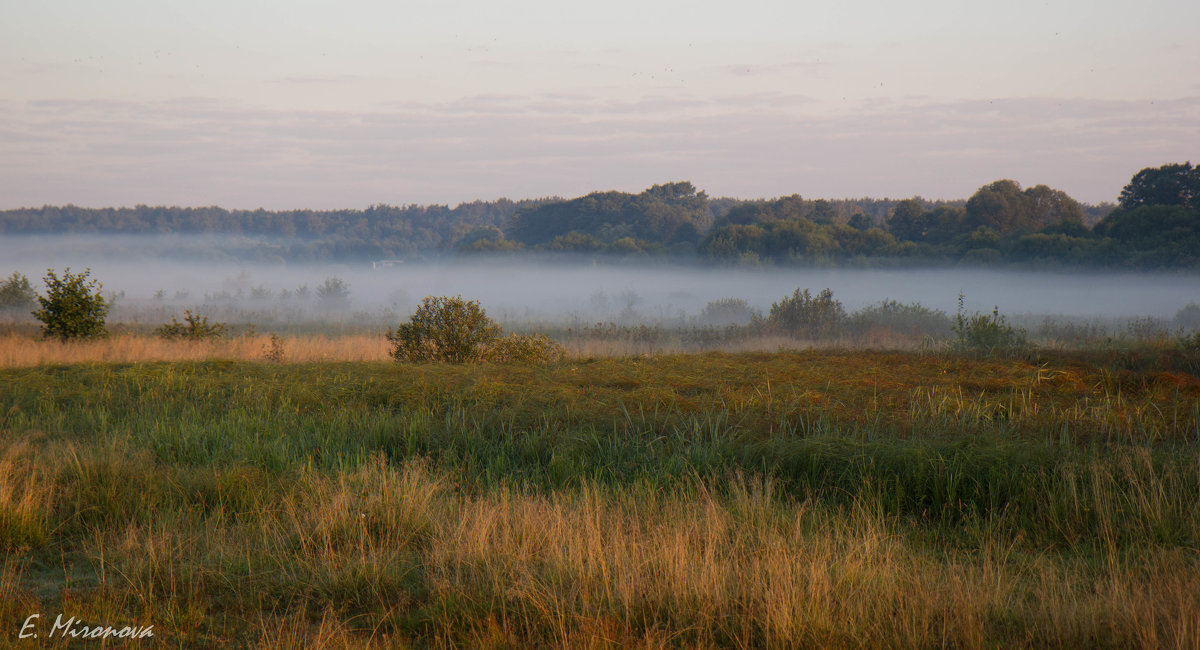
(986, 333)
(803, 314)
(73, 307)
(334, 293)
(1188, 318)
(451, 330)
(193, 328)
(521, 348)
(907, 320)
(273, 351)
(17, 293)
(728, 311)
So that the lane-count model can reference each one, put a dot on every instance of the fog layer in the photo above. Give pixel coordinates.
(581, 289)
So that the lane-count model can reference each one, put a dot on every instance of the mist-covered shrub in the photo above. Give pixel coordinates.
(443, 329)
(986, 333)
(193, 328)
(333, 294)
(1070, 332)
(523, 348)
(1189, 348)
(73, 307)
(1146, 328)
(16, 292)
(1188, 318)
(728, 311)
(892, 316)
(806, 315)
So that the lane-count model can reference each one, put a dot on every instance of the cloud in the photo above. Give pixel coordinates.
(196, 151)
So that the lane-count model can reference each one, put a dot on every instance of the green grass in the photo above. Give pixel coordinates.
(338, 503)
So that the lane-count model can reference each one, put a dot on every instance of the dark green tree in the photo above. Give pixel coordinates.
(1050, 207)
(1175, 184)
(907, 221)
(1000, 206)
(1005, 208)
(860, 221)
(73, 307)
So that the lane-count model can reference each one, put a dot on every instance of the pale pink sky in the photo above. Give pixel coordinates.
(325, 105)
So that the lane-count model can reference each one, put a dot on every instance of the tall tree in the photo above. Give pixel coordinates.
(1173, 184)
(907, 221)
(999, 205)
(1005, 208)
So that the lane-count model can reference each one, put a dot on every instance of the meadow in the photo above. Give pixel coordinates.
(828, 497)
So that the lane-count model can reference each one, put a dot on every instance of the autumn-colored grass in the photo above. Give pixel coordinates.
(817, 498)
(17, 350)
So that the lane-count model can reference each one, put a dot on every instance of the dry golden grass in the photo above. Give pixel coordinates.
(23, 350)
(20, 350)
(595, 568)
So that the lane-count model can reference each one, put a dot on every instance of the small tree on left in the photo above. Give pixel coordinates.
(73, 307)
(16, 292)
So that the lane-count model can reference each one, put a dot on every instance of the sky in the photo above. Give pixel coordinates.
(302, 104)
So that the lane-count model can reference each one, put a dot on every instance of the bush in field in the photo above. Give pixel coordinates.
(728, 311)
(986, 333)
(73, 307)
(454, 330)
(193, 328)
(523, 348)
(906, 320)
(451, 330)
(807, 315)
(17, 293)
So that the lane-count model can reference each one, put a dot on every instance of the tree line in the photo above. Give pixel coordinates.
(1155, 224)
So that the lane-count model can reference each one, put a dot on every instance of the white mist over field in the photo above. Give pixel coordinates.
(514, 289)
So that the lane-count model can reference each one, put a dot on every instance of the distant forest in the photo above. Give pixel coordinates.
(1155, 224)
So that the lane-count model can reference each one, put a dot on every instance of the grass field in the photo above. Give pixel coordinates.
(821, 498)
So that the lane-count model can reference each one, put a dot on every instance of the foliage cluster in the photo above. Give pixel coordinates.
(333, 294)
(193, 328)
(728, 311)
(986, 333)
(893, 316)
(453, 330)
(73, 307)
(662, 216)
(523, 349)
(807, 315)
(16, 292)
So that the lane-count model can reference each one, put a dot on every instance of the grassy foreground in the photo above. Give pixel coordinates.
(836, 499)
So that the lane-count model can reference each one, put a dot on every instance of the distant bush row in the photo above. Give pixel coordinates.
(455, 330)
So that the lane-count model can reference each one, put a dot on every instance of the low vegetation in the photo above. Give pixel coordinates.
(819, 498)
(454, 330)
(193, 328)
